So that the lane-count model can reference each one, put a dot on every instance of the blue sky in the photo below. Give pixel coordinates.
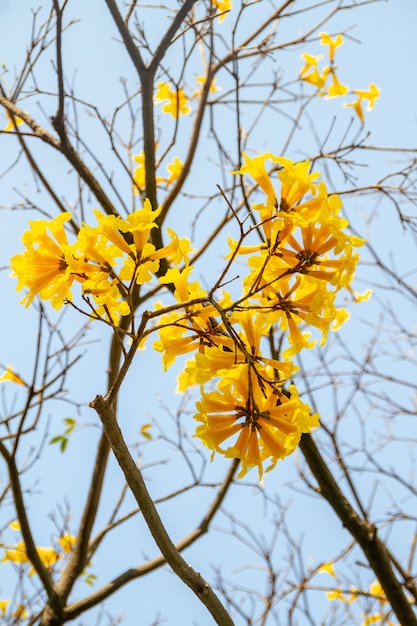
(382, 49)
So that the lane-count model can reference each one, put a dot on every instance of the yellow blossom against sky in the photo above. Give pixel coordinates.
(12, 121)
(293, 276)
(311, 73)
(222, 7)
(100, 261)
(176, 102)
(174, 170)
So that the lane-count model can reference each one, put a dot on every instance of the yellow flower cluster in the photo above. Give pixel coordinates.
(49, 556)
(303, 259)
(106, 260)
(19, 613)
(376, 593)
(310, 73)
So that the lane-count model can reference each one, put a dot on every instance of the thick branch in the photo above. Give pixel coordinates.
(364, 532)
(137, 485)
(107, 590)
(66, 149)
(30, 547)
(80, 554)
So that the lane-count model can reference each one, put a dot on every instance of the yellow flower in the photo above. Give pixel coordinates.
(177, 100)
(372, 619)
(267, 423)
(327, 568)
(16, 554)
(255, 167)
(310, 72)
(296, 182)
(326, 40)
(144, 431)
(67, 542)
(360, 297)
(201, 80)
(3, 606)
(43, 267)
(340, 318)
(17, 120)
(140, 223)
(336, 89)
(222, 6)
(20, 612)
(376, 590)
(174, 171)
(48, 557)
(371, 95)
(10, 375)
(15, 525)
(336, 594)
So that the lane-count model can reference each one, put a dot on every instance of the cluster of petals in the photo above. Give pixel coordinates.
(105, 261)
(375, 592)
(49, 555)
(298, 257)
(304, 257)
(319, 78)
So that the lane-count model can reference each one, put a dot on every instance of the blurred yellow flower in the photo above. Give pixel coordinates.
(372, 94)
(17, 120)
(310, 72)
(177, 100)
(10, 375)
(327, 568)
(201, 81)
(326, 40)
(67, 542)
(144, 431)
(336, 89)
(223, 7)
(3, 606)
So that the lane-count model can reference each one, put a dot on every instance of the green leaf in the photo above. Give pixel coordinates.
(56, 439)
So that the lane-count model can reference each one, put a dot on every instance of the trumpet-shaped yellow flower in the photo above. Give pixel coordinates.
(327, 568)
(255, 167)
(177, 100)
(11, 376)
(372, 94)
(310, 72)
(326, 40)
(43, 267)
(241, 344)
(140, 223)
(3, 607)
(10, 125)
(223, 7)
(264, 422)
(336, 89)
